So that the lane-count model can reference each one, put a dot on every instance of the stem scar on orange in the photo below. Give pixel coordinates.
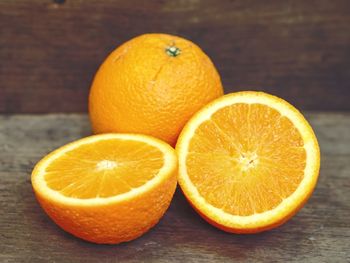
(248, 161)
(152, 85)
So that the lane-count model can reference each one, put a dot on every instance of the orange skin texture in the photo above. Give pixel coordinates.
(140, 88)
(116, 222)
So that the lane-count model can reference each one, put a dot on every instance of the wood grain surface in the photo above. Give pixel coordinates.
(320, 232)
(296, 49)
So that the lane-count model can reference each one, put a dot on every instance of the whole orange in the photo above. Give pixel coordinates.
(152, 84)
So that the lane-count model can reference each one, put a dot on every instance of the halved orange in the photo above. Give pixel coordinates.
(248, 161)
(107, 188)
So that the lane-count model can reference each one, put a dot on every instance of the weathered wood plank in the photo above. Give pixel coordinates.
(298, 50)
(319, 233)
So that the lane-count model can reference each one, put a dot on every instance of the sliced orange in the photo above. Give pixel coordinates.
(107, 188)
(248, 161)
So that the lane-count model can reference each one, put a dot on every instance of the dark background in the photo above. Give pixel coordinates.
(299, 50)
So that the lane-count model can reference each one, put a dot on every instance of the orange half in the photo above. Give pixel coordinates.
(107, 188)
(248, 161)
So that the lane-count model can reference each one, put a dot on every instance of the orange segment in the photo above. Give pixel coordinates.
(109, 168)
(249, 156)
(245, 155)
(107, 188)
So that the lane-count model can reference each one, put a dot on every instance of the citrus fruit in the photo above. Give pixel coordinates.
(248, 161)
(152, 85)
(107, 188)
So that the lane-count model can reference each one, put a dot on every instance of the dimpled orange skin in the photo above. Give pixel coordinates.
(152, 84)
(126, 220)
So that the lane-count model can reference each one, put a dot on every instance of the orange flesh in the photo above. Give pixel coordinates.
(246, 159)
(104, 169)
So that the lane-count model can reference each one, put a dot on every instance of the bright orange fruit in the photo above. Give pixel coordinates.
(248, 161)
(152, 85)
(107, 188)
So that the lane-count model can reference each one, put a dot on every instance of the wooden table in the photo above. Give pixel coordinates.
(319, 233)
